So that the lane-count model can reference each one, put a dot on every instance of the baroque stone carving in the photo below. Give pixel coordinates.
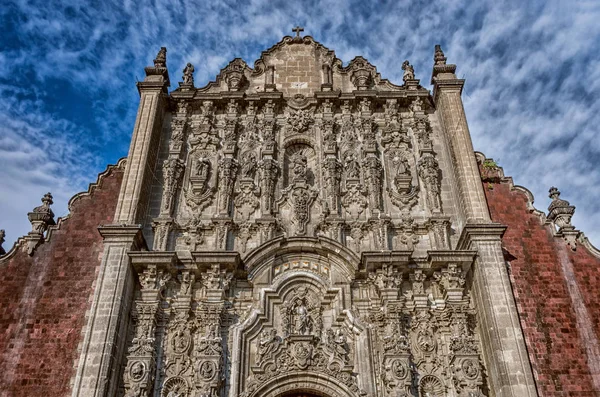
(409, 71)
(429, 173)
(41, 218)
(172, 173)
(560, 213)
(299, 121)
(373, 175)
(188, 75)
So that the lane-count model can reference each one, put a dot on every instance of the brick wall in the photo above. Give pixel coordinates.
(44, 298)
(552, 313)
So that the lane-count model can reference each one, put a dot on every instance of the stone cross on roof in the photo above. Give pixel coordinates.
(297, 30)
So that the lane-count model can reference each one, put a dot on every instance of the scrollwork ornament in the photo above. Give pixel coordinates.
(175, 387)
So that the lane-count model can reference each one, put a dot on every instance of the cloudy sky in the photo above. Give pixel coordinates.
(68, 71)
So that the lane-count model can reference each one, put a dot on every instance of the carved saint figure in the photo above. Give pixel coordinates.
(188, 74)
(299, 166)
(341, 345)
(267, 345)
(207, 370)
(249, 166)
(402, 167)
(303, 319)
(409, 71)
(470, 369)
(137, 371)
(202, 168)
(186, 280)
(352, 167)
(180, 341)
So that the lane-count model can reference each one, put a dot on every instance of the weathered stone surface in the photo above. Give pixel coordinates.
(556, 290)
(44, 298)
(302, 226)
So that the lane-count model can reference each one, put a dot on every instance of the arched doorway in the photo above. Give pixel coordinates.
(300, 393)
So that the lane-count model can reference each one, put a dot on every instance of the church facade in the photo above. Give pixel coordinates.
(301, 227)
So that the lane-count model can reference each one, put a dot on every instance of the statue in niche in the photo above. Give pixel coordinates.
(401, 166)
(249, 166)
(352, 167)
(299, 166)
(202, 168)
(304, 321)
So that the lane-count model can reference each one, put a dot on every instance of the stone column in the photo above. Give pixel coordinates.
(502, 340)
(503, 344)
(447, 91)
(143, 150)
(103, 346)
(99, 363)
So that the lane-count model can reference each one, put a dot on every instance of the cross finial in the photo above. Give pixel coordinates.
(297, 30)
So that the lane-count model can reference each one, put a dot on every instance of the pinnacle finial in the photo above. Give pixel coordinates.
(161, 58)
(554, 193)
(439, 57)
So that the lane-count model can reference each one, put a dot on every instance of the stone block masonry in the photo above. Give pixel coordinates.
(556, 290)
(44, 297)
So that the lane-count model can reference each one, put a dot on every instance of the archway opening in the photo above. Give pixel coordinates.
(301, 393)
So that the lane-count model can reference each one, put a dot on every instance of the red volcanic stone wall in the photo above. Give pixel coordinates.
(540, 265)
(44, 298)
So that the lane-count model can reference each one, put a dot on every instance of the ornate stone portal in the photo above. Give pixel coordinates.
(303, 241)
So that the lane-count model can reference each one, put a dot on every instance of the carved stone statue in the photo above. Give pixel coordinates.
(188, 74)
(352, 167)
(268, 344)
(249, 166)
(304, 321)
(409, 71)
(202, 168)
(298, 164)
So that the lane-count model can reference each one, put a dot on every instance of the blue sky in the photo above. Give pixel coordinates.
(68, 71)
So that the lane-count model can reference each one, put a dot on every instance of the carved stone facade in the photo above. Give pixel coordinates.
(311, 228)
